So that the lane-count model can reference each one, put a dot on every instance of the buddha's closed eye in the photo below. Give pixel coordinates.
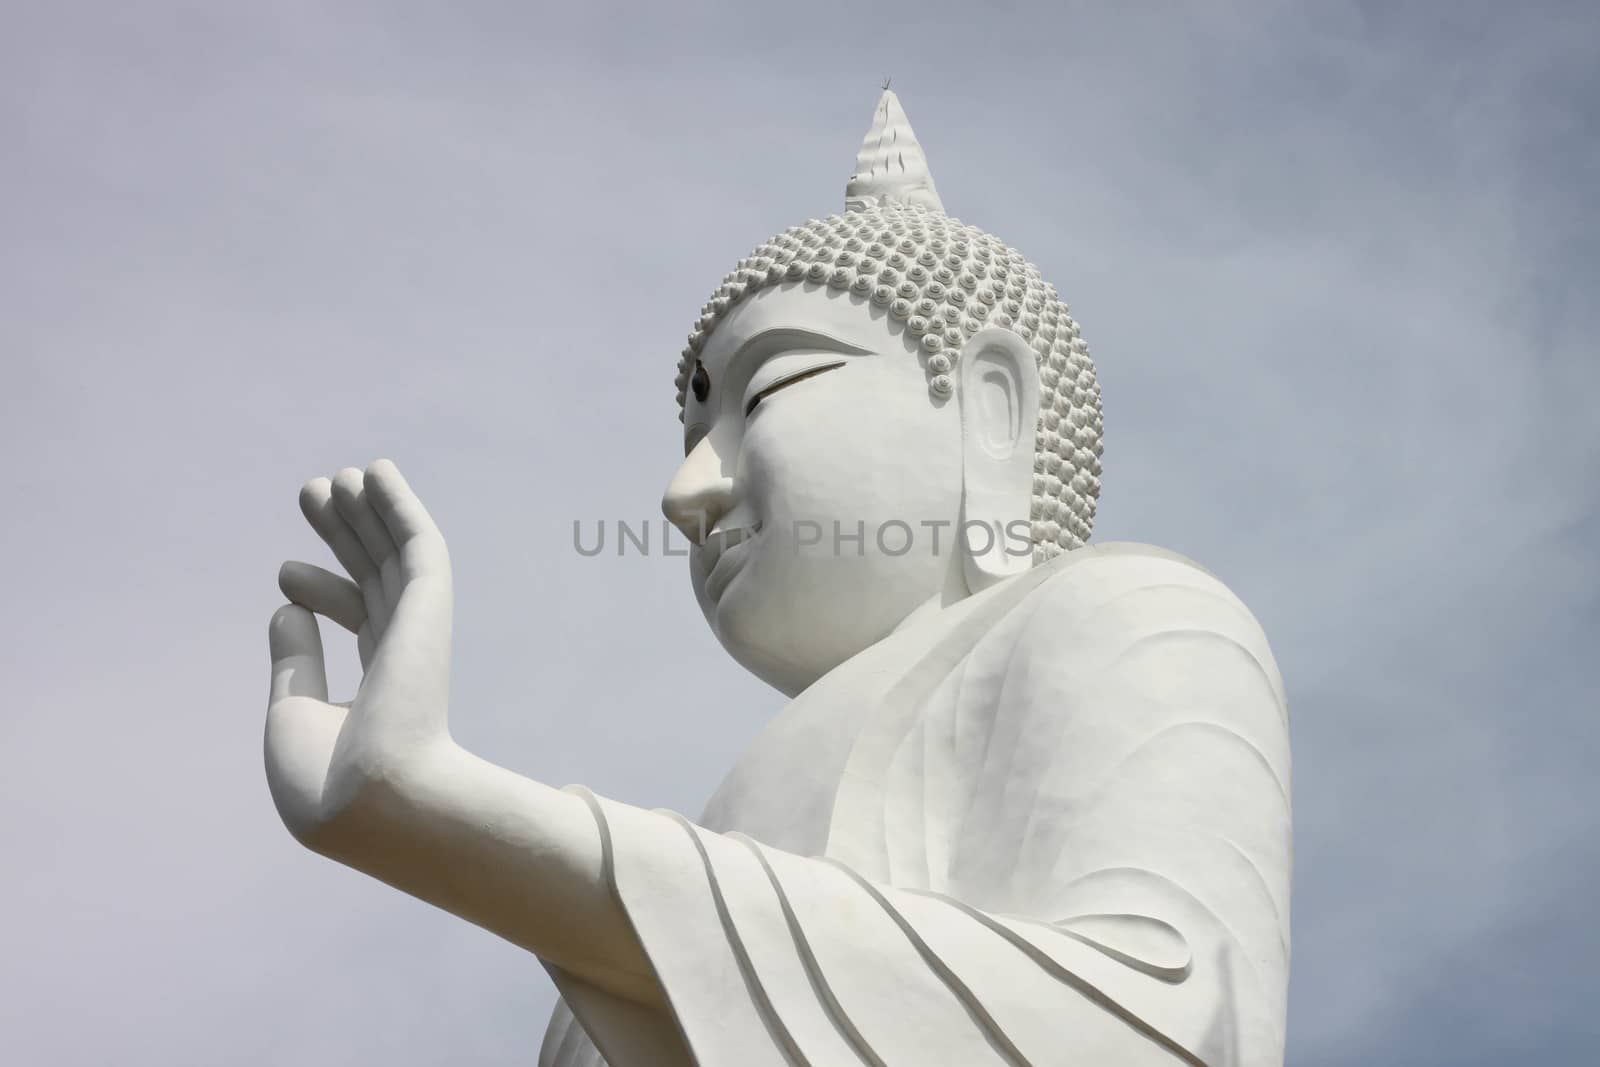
(786, 381)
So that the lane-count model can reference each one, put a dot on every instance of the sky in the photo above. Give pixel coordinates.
(1331, 260)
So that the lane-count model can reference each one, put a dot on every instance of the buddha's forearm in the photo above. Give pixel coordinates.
(502, 851)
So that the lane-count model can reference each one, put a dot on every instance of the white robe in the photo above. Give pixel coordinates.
(1049, 827)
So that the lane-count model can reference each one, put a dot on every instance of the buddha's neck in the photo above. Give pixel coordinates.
(954, 592)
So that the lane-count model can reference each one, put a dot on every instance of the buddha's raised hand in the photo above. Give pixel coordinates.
(397, 601)
(379, 784)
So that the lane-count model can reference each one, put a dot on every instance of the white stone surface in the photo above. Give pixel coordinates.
(891, 165)
(1026, 806)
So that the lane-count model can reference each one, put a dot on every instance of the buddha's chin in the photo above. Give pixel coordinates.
(757, 626)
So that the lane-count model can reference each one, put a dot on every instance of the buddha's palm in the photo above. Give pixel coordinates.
(397, 601)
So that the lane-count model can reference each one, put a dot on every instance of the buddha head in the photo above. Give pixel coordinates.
(884, 411)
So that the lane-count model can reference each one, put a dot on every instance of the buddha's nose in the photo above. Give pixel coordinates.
(700, 494)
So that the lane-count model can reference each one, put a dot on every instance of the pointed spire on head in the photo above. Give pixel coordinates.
(891, 165)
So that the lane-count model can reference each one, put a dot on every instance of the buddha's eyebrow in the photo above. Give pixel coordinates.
(780, 338)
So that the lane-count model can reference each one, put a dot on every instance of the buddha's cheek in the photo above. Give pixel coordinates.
(843, 482)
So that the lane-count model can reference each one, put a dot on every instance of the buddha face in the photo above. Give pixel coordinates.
(822, 482)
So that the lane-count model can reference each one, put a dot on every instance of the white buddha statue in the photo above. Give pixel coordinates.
(1030, 801)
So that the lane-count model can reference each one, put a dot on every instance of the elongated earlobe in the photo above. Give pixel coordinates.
(999, 397)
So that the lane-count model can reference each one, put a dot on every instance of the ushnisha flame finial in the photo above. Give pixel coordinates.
(891, 164)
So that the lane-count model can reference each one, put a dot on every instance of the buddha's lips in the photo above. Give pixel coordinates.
(720, 558)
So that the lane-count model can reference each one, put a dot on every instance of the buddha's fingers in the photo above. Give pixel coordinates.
(407, 682)
(295, 643)
(350, 498)
(316, 503)
(325, 593)
(302, 727)
(366, 644)
(408, 522)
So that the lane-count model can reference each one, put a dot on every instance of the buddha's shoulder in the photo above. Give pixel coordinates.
(1102, 596)
(1117, 568)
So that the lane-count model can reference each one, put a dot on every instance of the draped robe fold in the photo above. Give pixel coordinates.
(1049, 826)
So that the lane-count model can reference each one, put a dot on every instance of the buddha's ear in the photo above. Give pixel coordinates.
(998, 390)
